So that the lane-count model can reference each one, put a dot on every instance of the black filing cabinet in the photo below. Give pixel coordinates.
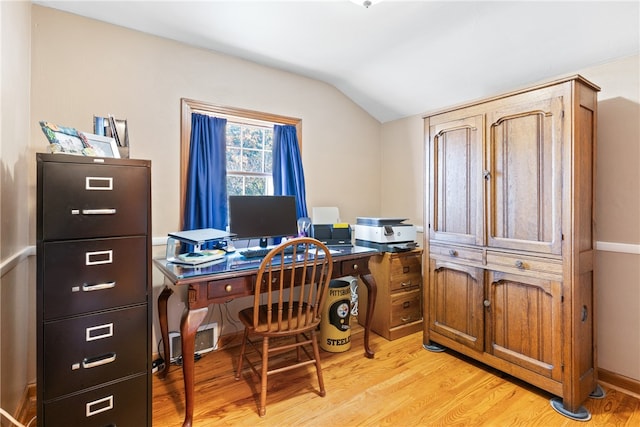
(93, 291)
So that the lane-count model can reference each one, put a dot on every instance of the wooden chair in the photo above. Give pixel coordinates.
(293, 295)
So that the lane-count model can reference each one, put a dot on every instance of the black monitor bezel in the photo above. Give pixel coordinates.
(248, 210)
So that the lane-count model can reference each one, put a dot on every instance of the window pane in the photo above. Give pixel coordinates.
(234, 159)
(268, 140)
(268, 161)
(252, 137)
(233, 135)
(235, 185)
(255, 186)
(252, 161)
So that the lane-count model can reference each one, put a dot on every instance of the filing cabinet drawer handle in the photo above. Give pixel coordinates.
(94, 362)
(99, 257)
(98, 183)
(405, 284)
(104, 404)
(106, 329)
(96, 287)
(107, 211)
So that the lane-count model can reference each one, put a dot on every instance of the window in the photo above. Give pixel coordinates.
(249, 144)
(249, 159)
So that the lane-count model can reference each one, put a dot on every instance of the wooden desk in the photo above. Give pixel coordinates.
(232, 278)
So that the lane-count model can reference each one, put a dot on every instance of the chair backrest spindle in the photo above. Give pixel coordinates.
(295, 288)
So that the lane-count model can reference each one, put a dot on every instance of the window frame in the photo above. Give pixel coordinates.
(190, 106)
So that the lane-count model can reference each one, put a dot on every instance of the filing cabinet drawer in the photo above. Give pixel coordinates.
(87, 200)
(405, 271)
(121, 404)
(406, 307)
(88, 275)
(85, 351)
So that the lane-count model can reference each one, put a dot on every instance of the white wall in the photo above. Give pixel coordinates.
(617, 263)
(17, 286)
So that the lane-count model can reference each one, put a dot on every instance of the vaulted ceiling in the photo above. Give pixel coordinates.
(395, 58)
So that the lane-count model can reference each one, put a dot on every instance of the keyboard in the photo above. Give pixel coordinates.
(262, 252)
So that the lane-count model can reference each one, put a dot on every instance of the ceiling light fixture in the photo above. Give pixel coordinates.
(365, 3)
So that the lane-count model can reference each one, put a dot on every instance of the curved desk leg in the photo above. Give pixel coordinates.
(164, 328)
(372, 289)
(191, 319)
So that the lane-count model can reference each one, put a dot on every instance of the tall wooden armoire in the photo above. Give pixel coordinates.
(510, 239)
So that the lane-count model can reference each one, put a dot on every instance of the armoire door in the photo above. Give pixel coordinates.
(456, 303)
(524, 322)
(455, 162)
(524, 175)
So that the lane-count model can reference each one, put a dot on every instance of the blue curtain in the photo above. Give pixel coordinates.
(206, 198)
(288, 176)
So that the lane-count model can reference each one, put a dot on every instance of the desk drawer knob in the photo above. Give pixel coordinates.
(355, 267)
(453, 252)
(228, 288)
(520, 265)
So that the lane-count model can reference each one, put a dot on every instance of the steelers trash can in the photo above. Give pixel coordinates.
(335, 332)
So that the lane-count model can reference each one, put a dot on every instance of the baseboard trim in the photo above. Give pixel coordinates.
(625, 384)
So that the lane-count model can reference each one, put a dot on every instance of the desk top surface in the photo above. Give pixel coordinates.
(234, 264)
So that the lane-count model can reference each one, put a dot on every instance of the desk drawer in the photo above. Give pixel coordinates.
(406, 307)
(86, 351)
(89, 200)
(88, 275)
(230, 288)
(352, 267)
(123, 404)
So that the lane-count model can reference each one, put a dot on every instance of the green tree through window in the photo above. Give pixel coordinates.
(249, 159)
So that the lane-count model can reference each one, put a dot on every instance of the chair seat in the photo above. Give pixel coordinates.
(263, 327)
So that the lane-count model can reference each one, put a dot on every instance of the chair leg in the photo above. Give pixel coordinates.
(242, 349)
(263, 376)
(316, 355)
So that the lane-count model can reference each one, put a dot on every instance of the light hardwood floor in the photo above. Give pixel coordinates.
(404, 385)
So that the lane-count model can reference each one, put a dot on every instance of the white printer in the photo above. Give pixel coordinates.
(385, 234)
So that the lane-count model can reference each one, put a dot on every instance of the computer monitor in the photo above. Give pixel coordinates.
(262, 217)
